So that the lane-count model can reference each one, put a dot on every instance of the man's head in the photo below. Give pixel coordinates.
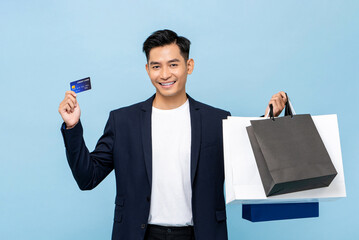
(166, 37)
(168, 65)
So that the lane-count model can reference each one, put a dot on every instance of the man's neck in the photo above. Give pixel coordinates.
(167, 103)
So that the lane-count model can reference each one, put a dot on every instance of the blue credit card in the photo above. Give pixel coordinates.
(80, 85)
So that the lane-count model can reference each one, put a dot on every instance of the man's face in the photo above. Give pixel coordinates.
(168, 70)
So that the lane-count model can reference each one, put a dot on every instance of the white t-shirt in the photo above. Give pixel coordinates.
(171, 167)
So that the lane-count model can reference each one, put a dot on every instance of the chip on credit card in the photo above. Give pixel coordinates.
(80, 85)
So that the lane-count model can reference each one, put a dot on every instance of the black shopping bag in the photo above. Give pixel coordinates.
(290, 154)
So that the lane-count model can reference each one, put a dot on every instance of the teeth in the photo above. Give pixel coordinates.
(167, 84)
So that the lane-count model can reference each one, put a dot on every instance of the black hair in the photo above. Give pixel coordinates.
(166, 37)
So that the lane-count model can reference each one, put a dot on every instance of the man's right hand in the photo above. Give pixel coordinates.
(69, 109)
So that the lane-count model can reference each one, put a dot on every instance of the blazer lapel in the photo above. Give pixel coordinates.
(146, 135)
(195, 135)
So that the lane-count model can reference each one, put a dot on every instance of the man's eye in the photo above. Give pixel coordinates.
(156, 67)
(174, 65)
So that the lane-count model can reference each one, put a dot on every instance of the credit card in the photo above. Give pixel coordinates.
(80, 85)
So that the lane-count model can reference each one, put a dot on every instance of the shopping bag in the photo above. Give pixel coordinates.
(242, 180)
(290, 154)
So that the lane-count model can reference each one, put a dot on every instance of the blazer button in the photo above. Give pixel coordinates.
(143, 226)
(148, 198)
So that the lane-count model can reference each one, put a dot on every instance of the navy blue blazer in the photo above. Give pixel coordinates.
(126, 147)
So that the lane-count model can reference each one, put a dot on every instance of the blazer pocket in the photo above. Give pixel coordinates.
(118, 215)
(221, 215)
(120, 201)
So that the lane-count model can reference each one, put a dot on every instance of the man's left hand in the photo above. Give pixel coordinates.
(278, 101)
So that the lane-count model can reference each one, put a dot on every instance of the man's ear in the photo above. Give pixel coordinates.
(190, 66)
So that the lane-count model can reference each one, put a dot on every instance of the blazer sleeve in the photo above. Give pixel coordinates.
(89, 169)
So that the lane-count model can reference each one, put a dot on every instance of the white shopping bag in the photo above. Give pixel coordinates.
(242, 181)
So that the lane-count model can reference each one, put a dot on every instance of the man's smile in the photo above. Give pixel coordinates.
(167, 84)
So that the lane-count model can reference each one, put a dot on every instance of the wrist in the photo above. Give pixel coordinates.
(70, 126)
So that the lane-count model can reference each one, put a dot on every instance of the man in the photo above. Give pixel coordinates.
(167, 153)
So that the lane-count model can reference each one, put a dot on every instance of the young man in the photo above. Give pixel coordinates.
(167, 153)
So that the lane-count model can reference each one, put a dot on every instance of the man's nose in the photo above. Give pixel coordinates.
(165, 73)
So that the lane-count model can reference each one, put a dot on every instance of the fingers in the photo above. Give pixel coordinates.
(68, 108)
(72, 93)
(276, 106)
(69, 102)
(283, 95)
(72, 101)
(278, 101)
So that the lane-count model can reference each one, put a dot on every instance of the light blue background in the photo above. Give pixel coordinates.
(244, 52)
